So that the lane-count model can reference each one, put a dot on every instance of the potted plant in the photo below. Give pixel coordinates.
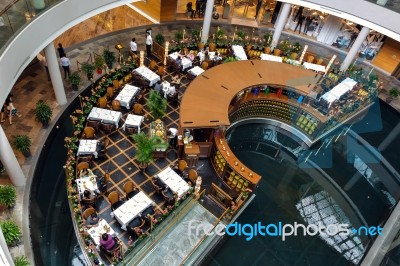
(109, 57)
(160, 39)
(99, 64)
(43, 112)
(394, 93)
(22, 261)
(23, 144)
(75, 80)
(156, 104)
(11, 231)
(88, 69)
(144, 149)
(160, 144)
(8, 196)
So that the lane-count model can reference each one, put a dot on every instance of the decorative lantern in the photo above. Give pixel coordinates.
(141, 58)
(303, 53)
(166, 52)
(330, 63)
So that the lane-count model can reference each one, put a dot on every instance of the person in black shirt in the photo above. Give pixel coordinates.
(60, 50)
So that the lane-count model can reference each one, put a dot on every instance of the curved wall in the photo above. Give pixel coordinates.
(361, 12)
(42, 31)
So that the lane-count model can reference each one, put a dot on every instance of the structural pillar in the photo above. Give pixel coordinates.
(207, 21)
(55, 74)
(354, 48)
(389, 138)
(10, 162)
(280, 24)
(5, 256)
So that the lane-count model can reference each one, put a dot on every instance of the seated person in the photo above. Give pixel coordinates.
(158, 86)
(101, 184)
(206, 56)
(108, 242)
(87, 195)
(171, 91)
(86, 172)
(217, 57)
(179, 60)
(190, 56)
(92, 220)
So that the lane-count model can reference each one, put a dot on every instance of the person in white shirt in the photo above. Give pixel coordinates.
(65, 63)
(149, 43)
(133, 46)
(172, 134)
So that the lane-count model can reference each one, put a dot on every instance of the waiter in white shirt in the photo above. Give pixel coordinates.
(149, 43)
(133, 46)
(65, 63)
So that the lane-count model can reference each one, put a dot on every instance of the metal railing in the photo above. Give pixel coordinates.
(17, 15)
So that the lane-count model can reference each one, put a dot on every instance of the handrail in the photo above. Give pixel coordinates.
(8, 7)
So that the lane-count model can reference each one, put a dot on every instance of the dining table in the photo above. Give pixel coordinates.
(88, 146)
(105, 115)
(134, 121)
(131, 209)
(95, 232)
(196, 71)
(147, 74)
(174, 181)
(126, 95)
(185, 62)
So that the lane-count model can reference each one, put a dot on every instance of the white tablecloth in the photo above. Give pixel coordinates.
(340, 89)
(95, 232)
(105, 115)
(271, 57)
(196, 71)
(315, 67)
(166, 86)
(132, 208)
(186, 63)
(87, 146)
(239, 52)
(87, 183)
(134, 120)
(126, 95)
(147, 74)
(173, 181)
(201, 55)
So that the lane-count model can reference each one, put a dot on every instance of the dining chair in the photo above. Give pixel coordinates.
(136, 223)
(94, 124)
(168, 197)
(153, 65)
(81, 166)
(103, 151)
(310, 59)
(192, 175)
(129, 189)
(102, 102)
(130, 129)
(116, 105)
(204, 65)
(137, 109)
(110, 92)
(85, 158)
(114, 200)
(89, 211)
(107, 127)
(89, 133)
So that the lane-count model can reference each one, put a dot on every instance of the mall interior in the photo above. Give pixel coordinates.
(133, 131)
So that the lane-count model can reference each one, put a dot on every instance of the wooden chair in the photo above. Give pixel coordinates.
(158, 189)
(110, 92)
(147, 214)
(267, 50)
(107, 176)
(153, 65)
(114, 200)
(90, 202)
(89, 133)
(161, 71)
(293, 56)
(204, 65)
(130, 130)
(320, 61)
(102, 102)
(136, 223)
(94, 124)
(81, 166)
(116, 84)
(86, 159)
(130, 189)
(107, 128)
(103, 151)
(310, 59)
(192, 176)
(277, 52)
(168, 197)
(138, 109)
(116, 105)
(89, 211)
(182, 165)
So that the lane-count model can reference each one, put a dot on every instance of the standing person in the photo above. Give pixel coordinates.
(172, 134)
(60, 50)
(65, 63)
(299, 13)
(3, 109)
(309, 20)
(299, 23)
(149, 43)
(133, 46)
(43, 62)
(10, 107)
(258, 7)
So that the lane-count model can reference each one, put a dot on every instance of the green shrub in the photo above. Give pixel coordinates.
(11, 231)
(21, 261)
(394, 92)
(8, 196)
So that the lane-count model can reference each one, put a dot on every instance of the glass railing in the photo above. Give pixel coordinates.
(17, 15)
(393, 5)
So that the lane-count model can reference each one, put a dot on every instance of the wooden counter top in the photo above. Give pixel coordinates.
(231, 159)
(206, 100)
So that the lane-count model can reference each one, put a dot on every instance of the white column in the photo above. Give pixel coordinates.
(10, 162)
(280, 23)
(207, 21)
(5, 255)
(55, 74)
(354, 48)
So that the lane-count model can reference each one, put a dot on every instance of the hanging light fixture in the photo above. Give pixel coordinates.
(166, 52)
(141, 58)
